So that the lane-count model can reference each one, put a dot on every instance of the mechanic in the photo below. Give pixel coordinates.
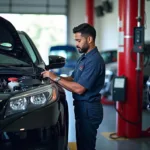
(85, 83)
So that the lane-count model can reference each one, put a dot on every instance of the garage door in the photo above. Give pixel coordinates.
(33, 6)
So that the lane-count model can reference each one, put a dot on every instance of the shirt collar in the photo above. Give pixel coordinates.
(91, 52)
(88, 54)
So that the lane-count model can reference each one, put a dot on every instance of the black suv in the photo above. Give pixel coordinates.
(33, 110)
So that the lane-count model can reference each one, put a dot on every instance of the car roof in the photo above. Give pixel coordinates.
(64, 47)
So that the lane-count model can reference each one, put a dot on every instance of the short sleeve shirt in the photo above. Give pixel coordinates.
(90, 73)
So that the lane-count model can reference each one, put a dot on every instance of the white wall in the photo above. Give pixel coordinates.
(76, 16)
(106, 26)
(147, 20)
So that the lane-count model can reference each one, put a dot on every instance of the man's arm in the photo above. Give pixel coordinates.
(72, 86)
(69, 78)
(66, 82)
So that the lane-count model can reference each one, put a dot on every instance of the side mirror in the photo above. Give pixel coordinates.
(55, 62)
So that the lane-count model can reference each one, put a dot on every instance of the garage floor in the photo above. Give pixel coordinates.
(107, 127)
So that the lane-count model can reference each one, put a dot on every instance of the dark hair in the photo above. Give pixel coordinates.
(85, 29)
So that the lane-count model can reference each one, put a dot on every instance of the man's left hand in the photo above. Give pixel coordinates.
(49, 74)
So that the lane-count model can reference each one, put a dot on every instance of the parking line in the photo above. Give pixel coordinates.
(72, 146)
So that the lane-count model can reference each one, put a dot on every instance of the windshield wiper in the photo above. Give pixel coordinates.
(14, 65)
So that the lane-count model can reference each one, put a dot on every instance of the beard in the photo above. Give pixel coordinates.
(84, 48)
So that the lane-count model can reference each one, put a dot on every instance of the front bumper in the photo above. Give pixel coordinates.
(43, 117)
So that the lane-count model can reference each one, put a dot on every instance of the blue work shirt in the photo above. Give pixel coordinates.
(90, 73)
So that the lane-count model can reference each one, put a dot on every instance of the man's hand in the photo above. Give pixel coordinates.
(66, 82)
(49, 74)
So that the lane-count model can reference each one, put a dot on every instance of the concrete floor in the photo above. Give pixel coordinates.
(108, 126)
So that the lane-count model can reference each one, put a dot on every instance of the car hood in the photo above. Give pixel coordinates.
(10, 42)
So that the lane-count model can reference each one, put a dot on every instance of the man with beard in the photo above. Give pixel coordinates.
(85, 83)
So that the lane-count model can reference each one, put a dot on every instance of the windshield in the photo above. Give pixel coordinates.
(28, 47)
(68, 55)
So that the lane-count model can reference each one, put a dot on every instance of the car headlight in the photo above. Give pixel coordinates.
(31, 100)
(20, 104)
(38, 99)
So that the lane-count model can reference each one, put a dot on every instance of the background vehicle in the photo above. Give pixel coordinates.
(147, 101)
(110, 58)
(33, 110)
(71, 55)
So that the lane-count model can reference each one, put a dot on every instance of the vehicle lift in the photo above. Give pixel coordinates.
(129, 83)
(128, 86)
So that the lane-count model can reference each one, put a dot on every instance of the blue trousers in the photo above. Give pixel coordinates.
(88, 117)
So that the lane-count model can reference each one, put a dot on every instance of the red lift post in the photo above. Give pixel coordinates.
(131, 109)
(121, 66)
(90, 12)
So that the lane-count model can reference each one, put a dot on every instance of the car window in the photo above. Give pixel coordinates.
(106, 56)
(72, 55)
(109, 56)
(59, 53)
(69, 55)
(28, 47)
(114, 56)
